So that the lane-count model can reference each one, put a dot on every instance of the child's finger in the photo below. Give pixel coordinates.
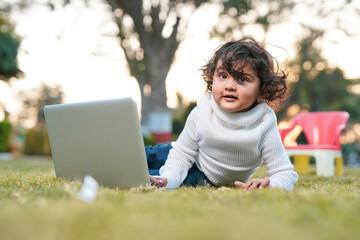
(255, 184)
(239, 184)
(265, 183)
(248, 184)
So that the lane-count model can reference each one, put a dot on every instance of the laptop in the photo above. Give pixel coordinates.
(102, 139)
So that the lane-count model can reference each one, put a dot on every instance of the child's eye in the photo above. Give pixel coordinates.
(222, 75)
(241, 80)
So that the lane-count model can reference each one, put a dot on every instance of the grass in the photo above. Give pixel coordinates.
(35, 205)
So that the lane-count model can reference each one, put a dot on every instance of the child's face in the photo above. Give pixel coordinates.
(235, 96)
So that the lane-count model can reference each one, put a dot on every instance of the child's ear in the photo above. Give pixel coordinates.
(260, 98)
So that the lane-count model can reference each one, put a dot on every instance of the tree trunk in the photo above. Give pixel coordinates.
(158, 58)
(153, 66)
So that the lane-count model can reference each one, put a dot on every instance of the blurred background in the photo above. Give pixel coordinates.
(63, 51)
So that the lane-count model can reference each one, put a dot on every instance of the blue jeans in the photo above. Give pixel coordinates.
(156, 157)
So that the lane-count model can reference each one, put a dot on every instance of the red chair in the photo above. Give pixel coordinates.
(322, 131)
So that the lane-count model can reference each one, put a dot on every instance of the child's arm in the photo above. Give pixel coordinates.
(182, 156)
(278, 165)
(254, 183)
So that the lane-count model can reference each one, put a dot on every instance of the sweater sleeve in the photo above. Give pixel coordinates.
(182, 155)
(277, 163)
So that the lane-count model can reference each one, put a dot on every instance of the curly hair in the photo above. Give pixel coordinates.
(235, 54)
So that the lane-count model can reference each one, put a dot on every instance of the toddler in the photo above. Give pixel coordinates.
(232, 130)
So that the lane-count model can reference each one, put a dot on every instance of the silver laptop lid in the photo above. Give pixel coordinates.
(99, 138)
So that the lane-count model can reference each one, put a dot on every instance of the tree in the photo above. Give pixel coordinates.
(9, 45)
(150, 32)
(316, 84)
(35, 102)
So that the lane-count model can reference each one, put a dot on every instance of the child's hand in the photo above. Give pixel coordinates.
(158, 182)
(254, 183)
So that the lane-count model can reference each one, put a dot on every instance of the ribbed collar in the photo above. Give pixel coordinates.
(238, 119)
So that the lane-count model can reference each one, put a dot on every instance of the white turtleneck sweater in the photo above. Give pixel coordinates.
(229, 147)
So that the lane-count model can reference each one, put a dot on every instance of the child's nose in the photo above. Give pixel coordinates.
(230, 83)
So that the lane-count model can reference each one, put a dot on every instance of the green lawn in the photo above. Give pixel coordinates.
(35, 205)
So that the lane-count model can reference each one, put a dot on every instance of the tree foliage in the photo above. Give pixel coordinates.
(9, 45)
(238, 14)
(318, 85)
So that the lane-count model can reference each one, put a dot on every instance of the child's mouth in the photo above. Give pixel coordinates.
(229, 97)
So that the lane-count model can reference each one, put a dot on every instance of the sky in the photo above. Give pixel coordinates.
(75, 47)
